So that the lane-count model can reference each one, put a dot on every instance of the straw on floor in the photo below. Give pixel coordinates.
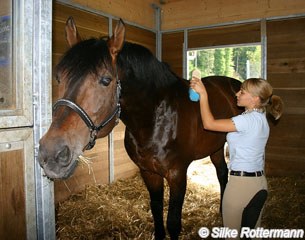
(121, 210)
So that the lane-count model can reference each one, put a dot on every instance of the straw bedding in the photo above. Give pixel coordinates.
(121, 210)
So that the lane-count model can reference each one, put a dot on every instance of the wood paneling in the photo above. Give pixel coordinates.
(123, 166)
(5, 8)
(172, 51)
(285, 152)
(286, 72)
(140, 36)
(12, 195)
(182, 14)
(136, 11)
(227, 35)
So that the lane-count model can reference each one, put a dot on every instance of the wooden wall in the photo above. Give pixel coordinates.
(286, 72)
(225, 35)
(140, 12)
(92, 25)
(172, 51)
(12, 195)
(177, 14)
(182, 14)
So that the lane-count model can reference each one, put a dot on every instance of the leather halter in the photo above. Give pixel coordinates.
(94, 129)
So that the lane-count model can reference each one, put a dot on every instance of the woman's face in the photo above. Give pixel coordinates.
(246, 99)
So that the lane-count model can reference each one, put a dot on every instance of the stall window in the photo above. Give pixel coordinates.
(240, 61)
(232, 50)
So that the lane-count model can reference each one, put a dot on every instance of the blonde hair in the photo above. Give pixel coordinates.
(273, 104)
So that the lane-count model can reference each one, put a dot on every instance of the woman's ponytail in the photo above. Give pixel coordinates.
(261, 88)
(275, 106)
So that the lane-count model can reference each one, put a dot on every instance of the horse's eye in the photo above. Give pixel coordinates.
(105, 80)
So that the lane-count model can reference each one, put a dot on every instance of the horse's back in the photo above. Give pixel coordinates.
(231, 85)
(222, 95)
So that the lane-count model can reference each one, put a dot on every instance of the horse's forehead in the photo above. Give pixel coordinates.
(79, 68)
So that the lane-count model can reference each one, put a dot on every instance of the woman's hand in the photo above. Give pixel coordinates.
(197, 85)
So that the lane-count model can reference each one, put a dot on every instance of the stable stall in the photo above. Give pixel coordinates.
(32, 40)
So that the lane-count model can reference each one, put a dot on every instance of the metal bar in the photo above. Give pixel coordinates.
(110, 136)
(184, 60)
(264, 48)
(225, 46)
(158, 31)
(42, 100)
(211, 26)
(111, 157)
(233, 23)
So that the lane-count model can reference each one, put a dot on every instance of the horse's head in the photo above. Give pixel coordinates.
(89, 104)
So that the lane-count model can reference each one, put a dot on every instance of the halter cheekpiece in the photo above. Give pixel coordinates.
(94, 129)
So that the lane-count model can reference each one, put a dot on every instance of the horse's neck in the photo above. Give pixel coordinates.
(137, 110)
(139, 107)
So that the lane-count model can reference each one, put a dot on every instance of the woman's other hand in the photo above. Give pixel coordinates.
(197, 85)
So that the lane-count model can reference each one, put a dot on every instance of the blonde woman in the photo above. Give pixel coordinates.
(246, 191)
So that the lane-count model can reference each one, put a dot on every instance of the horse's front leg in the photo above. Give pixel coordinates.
(155, 187)
(177, 185)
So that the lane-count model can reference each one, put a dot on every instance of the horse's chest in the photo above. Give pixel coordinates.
(152, 147)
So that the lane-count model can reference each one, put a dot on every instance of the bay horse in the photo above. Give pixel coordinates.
(102, 80)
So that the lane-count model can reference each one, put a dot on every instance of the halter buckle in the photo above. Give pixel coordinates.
(91, 143)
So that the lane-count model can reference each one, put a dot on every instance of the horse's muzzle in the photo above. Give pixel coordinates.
(58, 162)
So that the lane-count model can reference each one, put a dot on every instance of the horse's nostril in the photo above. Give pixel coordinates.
(42, 161)
(63, 157)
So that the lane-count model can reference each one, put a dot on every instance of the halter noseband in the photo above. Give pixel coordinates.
(85, 117)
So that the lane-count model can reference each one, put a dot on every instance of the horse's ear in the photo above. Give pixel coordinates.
(116, 42)
(72, 35)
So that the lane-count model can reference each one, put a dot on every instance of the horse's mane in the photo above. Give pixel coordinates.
(136, 63)
(144, 69)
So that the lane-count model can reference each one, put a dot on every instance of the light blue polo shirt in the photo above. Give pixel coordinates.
(247, 144)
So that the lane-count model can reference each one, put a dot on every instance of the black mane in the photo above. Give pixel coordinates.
(142, 67)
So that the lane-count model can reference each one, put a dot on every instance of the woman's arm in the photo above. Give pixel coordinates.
(208, 120)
